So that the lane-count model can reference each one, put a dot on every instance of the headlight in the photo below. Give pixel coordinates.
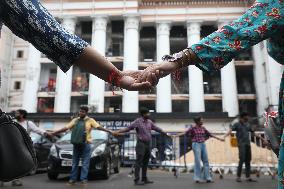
(99, 150)
(53, 151)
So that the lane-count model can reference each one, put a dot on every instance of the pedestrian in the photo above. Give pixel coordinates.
(21, 118)
(264, 20)
(143, 126)
(81, 139)
(30, 21)
(243, 130)
(199, 134)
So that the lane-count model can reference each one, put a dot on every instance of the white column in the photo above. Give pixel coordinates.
(229, 88)
(260, 78)
(31, 80)
(195, 75)
(96, 85)
(130, 101)
(274, 74)
(164, 100)
(6, 41)
(64, 80)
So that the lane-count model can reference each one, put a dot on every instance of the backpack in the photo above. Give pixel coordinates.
(17, 155)
(78, 135)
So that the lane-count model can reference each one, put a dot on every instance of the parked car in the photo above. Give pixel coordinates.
(42, 147)
(105, 156)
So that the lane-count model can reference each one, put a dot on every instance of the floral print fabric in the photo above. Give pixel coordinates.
(264, 20)
(29, 20)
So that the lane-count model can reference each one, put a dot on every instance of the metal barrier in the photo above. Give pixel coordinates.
(176, 154)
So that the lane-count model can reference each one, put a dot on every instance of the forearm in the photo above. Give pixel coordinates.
(60, 130)
(92, 61)
(103, 129)
(123, 130)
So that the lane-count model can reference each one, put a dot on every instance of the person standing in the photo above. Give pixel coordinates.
(243, 130)
(199, 134)
(143, 127)
(81, 139)
(21, 118)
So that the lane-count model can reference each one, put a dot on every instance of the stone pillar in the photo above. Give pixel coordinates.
(274, 73)
(64, 80)
(96, 85)
(130, 101)
(6, 41)
(229, 87)
(195, 75)
(31, 80)
(164, 100)
(260, 79)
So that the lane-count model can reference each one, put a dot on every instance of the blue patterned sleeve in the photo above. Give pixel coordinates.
(260, 22)
(29, 20)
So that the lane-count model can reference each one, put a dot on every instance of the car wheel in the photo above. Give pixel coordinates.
(52, 176)
(117, 168)
(107, 169)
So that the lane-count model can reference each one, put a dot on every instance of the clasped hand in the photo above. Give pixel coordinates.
(146, 79)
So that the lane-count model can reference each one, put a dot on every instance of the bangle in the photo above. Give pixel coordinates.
(182, 58)
(114, 79)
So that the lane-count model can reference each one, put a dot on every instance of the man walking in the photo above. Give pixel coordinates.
(21, 118)
(143, 127)
(243, 130)
(199, 134)
(81, 139)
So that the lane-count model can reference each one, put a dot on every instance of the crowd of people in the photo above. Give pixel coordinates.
(264, 20)
(81, 139)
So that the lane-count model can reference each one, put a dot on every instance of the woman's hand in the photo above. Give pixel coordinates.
(159, 70)
(130, 81)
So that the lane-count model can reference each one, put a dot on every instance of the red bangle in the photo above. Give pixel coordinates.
(114, 79)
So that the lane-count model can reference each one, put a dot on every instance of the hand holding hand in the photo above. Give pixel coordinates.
(130, 81)
(159, 70)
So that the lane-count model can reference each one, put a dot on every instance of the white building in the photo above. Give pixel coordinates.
(134, 34)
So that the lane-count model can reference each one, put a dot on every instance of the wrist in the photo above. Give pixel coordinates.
(114, 77)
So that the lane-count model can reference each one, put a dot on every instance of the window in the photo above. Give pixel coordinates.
(20, 54)
(80, 80)
(180, 106)
(180, 82)
(213, 106)
(113, 104)
(178, 39)
(76, 102)
(248, 106)
(245, 80)
(45, 105)
(17, 85)
(212, 83)
(150, 104)
(147, 44)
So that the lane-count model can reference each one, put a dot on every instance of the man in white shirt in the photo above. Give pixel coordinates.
(21, 118)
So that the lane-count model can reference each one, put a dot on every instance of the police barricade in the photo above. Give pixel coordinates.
(175, 154)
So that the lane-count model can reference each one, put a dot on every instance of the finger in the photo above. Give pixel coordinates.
(149, 78)
(155, 79)
(140, 86)
(144, 76)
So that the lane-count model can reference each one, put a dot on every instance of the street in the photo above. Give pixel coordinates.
(164, 180)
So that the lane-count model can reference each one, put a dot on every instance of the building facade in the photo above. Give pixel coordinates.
(134, 34)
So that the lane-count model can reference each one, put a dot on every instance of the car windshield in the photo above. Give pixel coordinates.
(35, 137)
(96, 135)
